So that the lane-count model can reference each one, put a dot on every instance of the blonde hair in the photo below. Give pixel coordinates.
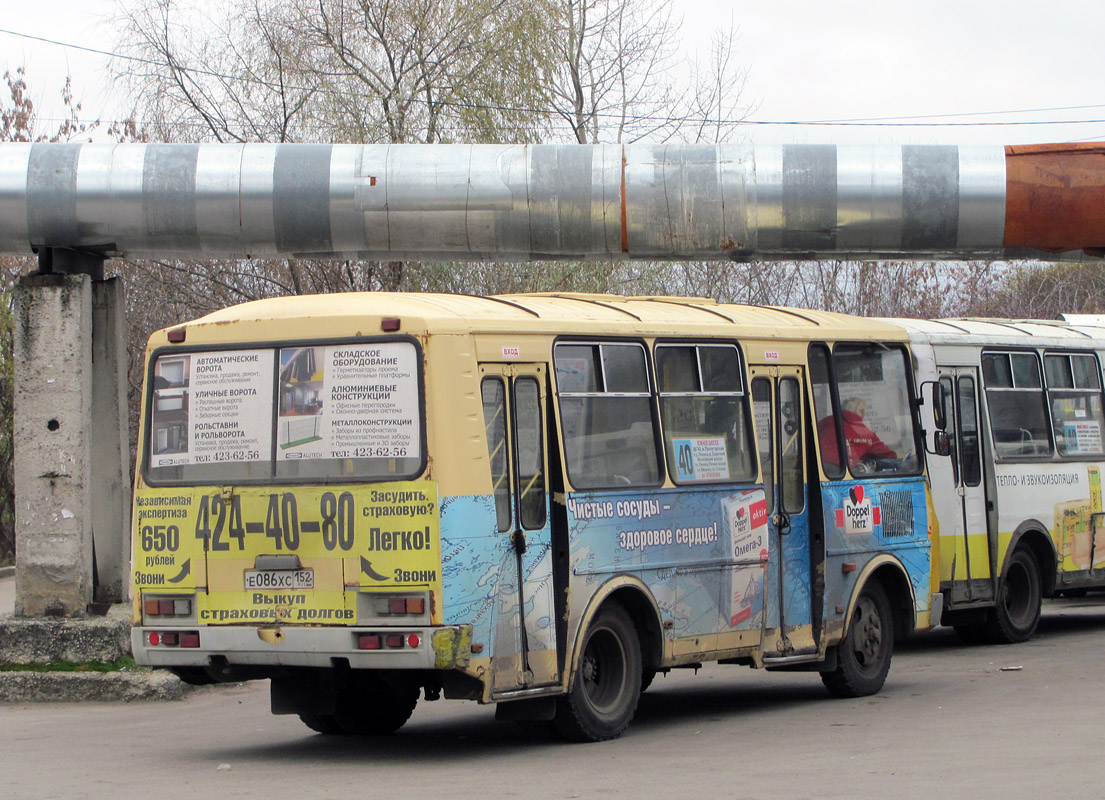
(857, 405)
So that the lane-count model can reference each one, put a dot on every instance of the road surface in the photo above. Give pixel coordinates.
(952, 721)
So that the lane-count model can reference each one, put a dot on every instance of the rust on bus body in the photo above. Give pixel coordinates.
(1055, 197)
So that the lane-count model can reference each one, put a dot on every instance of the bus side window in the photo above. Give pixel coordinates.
(967, 432)
(953, 420)
(702, 407)
(832, 453)
(606, 415)
(494, 420)
(1074, 392)
(790, 446)
(531, 453)
(1017, 405)
(761, 409)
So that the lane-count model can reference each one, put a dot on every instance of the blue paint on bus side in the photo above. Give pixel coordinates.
(864, 518)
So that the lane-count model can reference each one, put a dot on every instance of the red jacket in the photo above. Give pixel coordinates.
(863, 443)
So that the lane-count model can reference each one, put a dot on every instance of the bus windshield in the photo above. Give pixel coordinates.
(874, 415)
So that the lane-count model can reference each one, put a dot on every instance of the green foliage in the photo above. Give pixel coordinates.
(121, 664)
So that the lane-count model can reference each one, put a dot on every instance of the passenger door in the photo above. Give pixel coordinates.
(971, 579)
(524, 653)
(777, 397)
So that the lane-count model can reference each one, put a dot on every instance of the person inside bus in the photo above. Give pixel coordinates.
(864, 445)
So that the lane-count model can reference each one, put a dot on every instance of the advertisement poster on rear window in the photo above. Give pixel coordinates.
(348, 401)
(212, 407)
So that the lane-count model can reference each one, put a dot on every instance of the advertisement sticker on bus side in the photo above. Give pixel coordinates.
(708, 547)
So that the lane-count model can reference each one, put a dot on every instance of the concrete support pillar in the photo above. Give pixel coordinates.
(110, 445)
(53, 444)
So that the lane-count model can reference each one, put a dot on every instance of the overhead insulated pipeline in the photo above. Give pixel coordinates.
(514, 202)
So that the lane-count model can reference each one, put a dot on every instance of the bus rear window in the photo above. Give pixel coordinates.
(324, 413)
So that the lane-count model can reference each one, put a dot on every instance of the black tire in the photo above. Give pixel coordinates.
(863, 658)
(972, 634)
(1017, 613)
(607, 684)
(193, 676)
(647, 676)
(322, 723)
(370, 706)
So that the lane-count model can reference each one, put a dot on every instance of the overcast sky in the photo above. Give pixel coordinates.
(809, 60)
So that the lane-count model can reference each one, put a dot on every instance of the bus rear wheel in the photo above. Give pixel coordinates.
(863, 658)
(366, 705)
(1017, 613)
(607, 686)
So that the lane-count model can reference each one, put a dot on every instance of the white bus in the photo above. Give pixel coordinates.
(1018, 501)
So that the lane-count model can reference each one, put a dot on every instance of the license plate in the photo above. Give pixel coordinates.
(280, 579)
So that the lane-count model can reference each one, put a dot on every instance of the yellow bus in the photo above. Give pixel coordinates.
(536, 501)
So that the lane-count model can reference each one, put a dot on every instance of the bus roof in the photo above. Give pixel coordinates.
(1010, 332)
(552, 313)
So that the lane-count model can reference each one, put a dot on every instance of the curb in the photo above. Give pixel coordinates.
(34, 640)
(7, 572)
(97, 687)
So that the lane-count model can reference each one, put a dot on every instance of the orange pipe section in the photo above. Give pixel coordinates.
(1055, 197)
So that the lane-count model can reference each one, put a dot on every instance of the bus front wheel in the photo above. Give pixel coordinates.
(607, 686)
(863, 658)
(1017, 612)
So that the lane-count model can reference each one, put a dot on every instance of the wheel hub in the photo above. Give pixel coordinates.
(868, 633)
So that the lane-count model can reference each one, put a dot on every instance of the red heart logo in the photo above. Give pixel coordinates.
(857, 494)
(740, 513)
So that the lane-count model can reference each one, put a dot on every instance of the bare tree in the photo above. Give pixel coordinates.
(192, 77)
(334, 70)
(1046, 291)
(617, 75)
(423, 70)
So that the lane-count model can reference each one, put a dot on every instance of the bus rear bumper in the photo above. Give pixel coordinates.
(445, 647)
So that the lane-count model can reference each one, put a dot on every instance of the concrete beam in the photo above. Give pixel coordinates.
(53, 444)
(110, 446)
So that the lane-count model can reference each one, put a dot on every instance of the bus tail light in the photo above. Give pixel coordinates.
(394, 605)
(167, 606)
(388, 641)
(173, 638)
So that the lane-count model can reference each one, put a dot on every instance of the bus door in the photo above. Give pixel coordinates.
(524, 654)
(777, 397)
(971, 575)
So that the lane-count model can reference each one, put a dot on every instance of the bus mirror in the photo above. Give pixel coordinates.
(933, 392)
(941, 443)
